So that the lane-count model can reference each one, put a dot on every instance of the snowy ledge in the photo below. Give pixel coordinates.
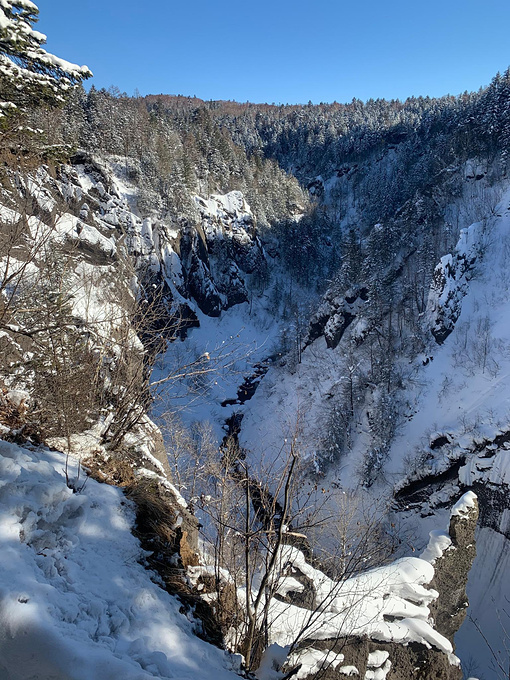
(389, 604)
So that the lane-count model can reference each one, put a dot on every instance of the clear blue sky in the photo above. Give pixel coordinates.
(282, 51)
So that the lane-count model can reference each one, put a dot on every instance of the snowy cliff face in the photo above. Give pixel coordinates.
(398, 291)
(67, 330)
(76, 597)
(452, 554)
(458, 437)
(92, 259)
(202, 267)
(219, 251)
(200, 263)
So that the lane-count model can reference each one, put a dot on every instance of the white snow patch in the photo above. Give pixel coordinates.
(314, 661)
(377, 658)
(466, 503)
(378, 665)
(439, 541)
(272, 660)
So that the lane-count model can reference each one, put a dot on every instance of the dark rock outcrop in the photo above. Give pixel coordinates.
(218, 251)
(335, 315)
(452, 571)
(450, 285)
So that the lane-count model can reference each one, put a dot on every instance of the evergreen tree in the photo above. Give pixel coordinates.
(28, 74)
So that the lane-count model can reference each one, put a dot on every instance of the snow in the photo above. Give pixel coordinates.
(388, 604)
(463, 506)
(19, 29)
(466, 396)
(223, 205)
(272, 660)
(71, 227)
(314, 661)
(479, 409)
(17, 397)
(235, 341)
(439, 542)
(377, 658)
(76, 602)
(5, 23)
(378, 665)
(64, 65)
(292, 396)
(454, 393)
(359, 604)
(287, 585)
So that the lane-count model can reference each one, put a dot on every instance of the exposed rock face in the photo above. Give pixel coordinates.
(202, 259)
(219, 250)
(206, 260)
(197, 274)
(228, 221)
(335, 315)
(452, 570)
(477, 463)
(410, 662)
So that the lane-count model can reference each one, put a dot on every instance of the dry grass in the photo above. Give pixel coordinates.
(114, 470)
(11, 416)
(155, 516)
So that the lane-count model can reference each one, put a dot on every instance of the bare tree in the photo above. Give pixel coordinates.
(252, 514)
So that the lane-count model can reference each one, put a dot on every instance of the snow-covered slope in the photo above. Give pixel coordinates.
(76, 602)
